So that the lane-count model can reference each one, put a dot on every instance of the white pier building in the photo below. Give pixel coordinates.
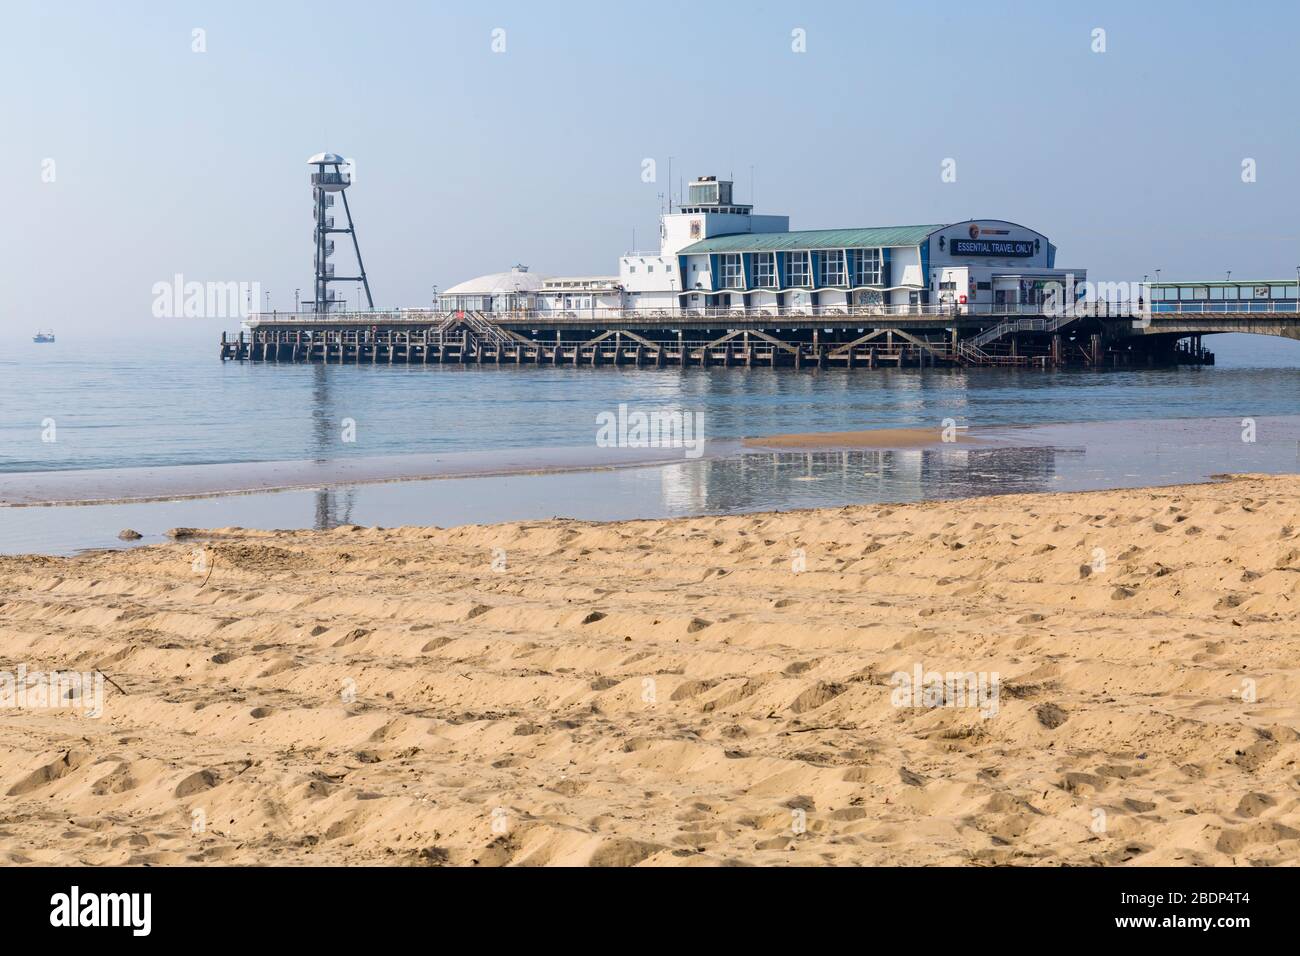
(716, 254)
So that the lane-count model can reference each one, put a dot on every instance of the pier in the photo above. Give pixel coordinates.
(1092, 335)
(732, 288)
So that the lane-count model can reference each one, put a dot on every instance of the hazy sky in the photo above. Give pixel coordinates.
(170, 161)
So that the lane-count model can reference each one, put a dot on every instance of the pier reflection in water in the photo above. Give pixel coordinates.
(761, 481)
(333, 504)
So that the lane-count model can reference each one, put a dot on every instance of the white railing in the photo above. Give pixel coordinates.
(1218, 307)
(1030, 314)
(799, 314)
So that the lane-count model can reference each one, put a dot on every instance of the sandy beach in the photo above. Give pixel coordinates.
(680, 692)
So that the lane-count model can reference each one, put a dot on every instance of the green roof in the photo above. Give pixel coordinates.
(814, 239)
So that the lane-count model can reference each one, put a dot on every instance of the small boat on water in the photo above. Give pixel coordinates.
(43, 336)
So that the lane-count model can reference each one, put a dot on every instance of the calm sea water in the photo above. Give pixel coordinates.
(115, 407)
(1071, 457)
(117, 404)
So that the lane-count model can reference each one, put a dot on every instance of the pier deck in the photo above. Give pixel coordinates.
(895, 337)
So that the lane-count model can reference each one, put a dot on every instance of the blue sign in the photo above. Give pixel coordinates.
(1019, 249)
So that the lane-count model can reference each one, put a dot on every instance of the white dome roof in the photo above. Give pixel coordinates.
(518, 279)
(332, 159)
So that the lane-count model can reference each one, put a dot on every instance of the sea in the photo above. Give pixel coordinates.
(509, 443)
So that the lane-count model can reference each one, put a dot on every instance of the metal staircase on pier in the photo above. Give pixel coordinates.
(970, 351)
(481, 327)
(475, 328)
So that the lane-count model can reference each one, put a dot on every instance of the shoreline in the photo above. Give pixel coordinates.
(152, 484)
(32, 489)
(817, 470)
(76, 487)
(42, 489)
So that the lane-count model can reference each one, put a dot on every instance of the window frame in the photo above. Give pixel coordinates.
(803, 278)
(828, 279)
(866, 266)
(731, 271)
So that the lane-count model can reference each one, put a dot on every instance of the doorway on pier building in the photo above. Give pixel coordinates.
(1006, 292)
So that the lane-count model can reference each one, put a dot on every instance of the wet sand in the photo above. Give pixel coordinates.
(695, 691)
(180, 482)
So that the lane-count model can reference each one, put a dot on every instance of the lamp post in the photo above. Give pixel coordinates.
(296, 293)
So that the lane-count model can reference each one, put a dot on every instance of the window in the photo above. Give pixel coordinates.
(797, 269)
(649, 268)
(764, 268)
(668, 268)
(1216, 292)
(864, 267)
(1277, 292)
(831, 264)
(733, 276)
(631, 268)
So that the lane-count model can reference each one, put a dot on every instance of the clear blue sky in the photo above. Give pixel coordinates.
(170, 161)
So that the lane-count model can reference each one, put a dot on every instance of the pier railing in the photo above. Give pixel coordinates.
(586, 316)
(1229, 306)
(1028, 316)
